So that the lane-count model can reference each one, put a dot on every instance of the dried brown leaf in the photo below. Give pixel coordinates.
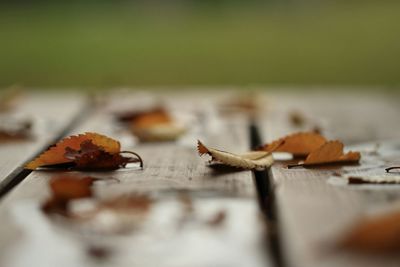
(330, 153)
(299, 144)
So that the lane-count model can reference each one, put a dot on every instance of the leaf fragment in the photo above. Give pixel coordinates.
(299, 144)
(330, 153)
(380, 234)
(258, 160)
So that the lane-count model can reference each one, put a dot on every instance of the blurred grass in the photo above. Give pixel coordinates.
(353, 43)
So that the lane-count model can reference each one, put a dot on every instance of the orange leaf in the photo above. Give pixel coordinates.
(380, 235)
(331, 152)
(149, 119)
(56, 153)
(155, 125)
(299, 144)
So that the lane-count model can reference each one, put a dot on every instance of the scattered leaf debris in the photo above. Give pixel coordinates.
(258, 160)
(297, 118)
(217, 219)
(11, 131)
(380, 234)
(99, 252)
(137, 202)
(299, 144)
(242, 103)
(330, 153)
(65, 188)
(89, 151)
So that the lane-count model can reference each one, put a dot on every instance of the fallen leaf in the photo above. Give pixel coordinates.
(373, 179)
(152, 125)
(64, 189)
(380, 234)
(298, 144)
(159, 132)
(156, 126)
(330, 153)
(85, 151)
(258, 160)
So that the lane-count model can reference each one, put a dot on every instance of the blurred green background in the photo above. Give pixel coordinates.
(101, 44)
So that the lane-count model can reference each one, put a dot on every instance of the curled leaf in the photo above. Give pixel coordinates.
(380, 234)
(298, 144)
(87, 151)
(330, 153)
(373, 179)
(258, 160)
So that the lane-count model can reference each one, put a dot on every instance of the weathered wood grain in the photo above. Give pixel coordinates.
(169, 169)
(314, 211)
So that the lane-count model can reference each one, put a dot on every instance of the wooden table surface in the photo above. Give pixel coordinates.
(283, 217)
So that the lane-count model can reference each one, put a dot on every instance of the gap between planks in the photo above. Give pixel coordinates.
(266, 198)
(20, 173)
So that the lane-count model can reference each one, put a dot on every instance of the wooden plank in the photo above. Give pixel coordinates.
(314, 212)
(50, 114)
(169, 168)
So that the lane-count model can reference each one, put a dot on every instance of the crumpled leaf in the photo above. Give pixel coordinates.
(65, 188)
(330, 153)
(299, 144)
(85, 151)
(380, 234)
(258, 160)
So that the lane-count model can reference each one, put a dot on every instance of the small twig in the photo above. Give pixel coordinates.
(391, 168)
(137, 155)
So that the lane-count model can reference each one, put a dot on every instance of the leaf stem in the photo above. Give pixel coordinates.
(137, 155)
(391, 168)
